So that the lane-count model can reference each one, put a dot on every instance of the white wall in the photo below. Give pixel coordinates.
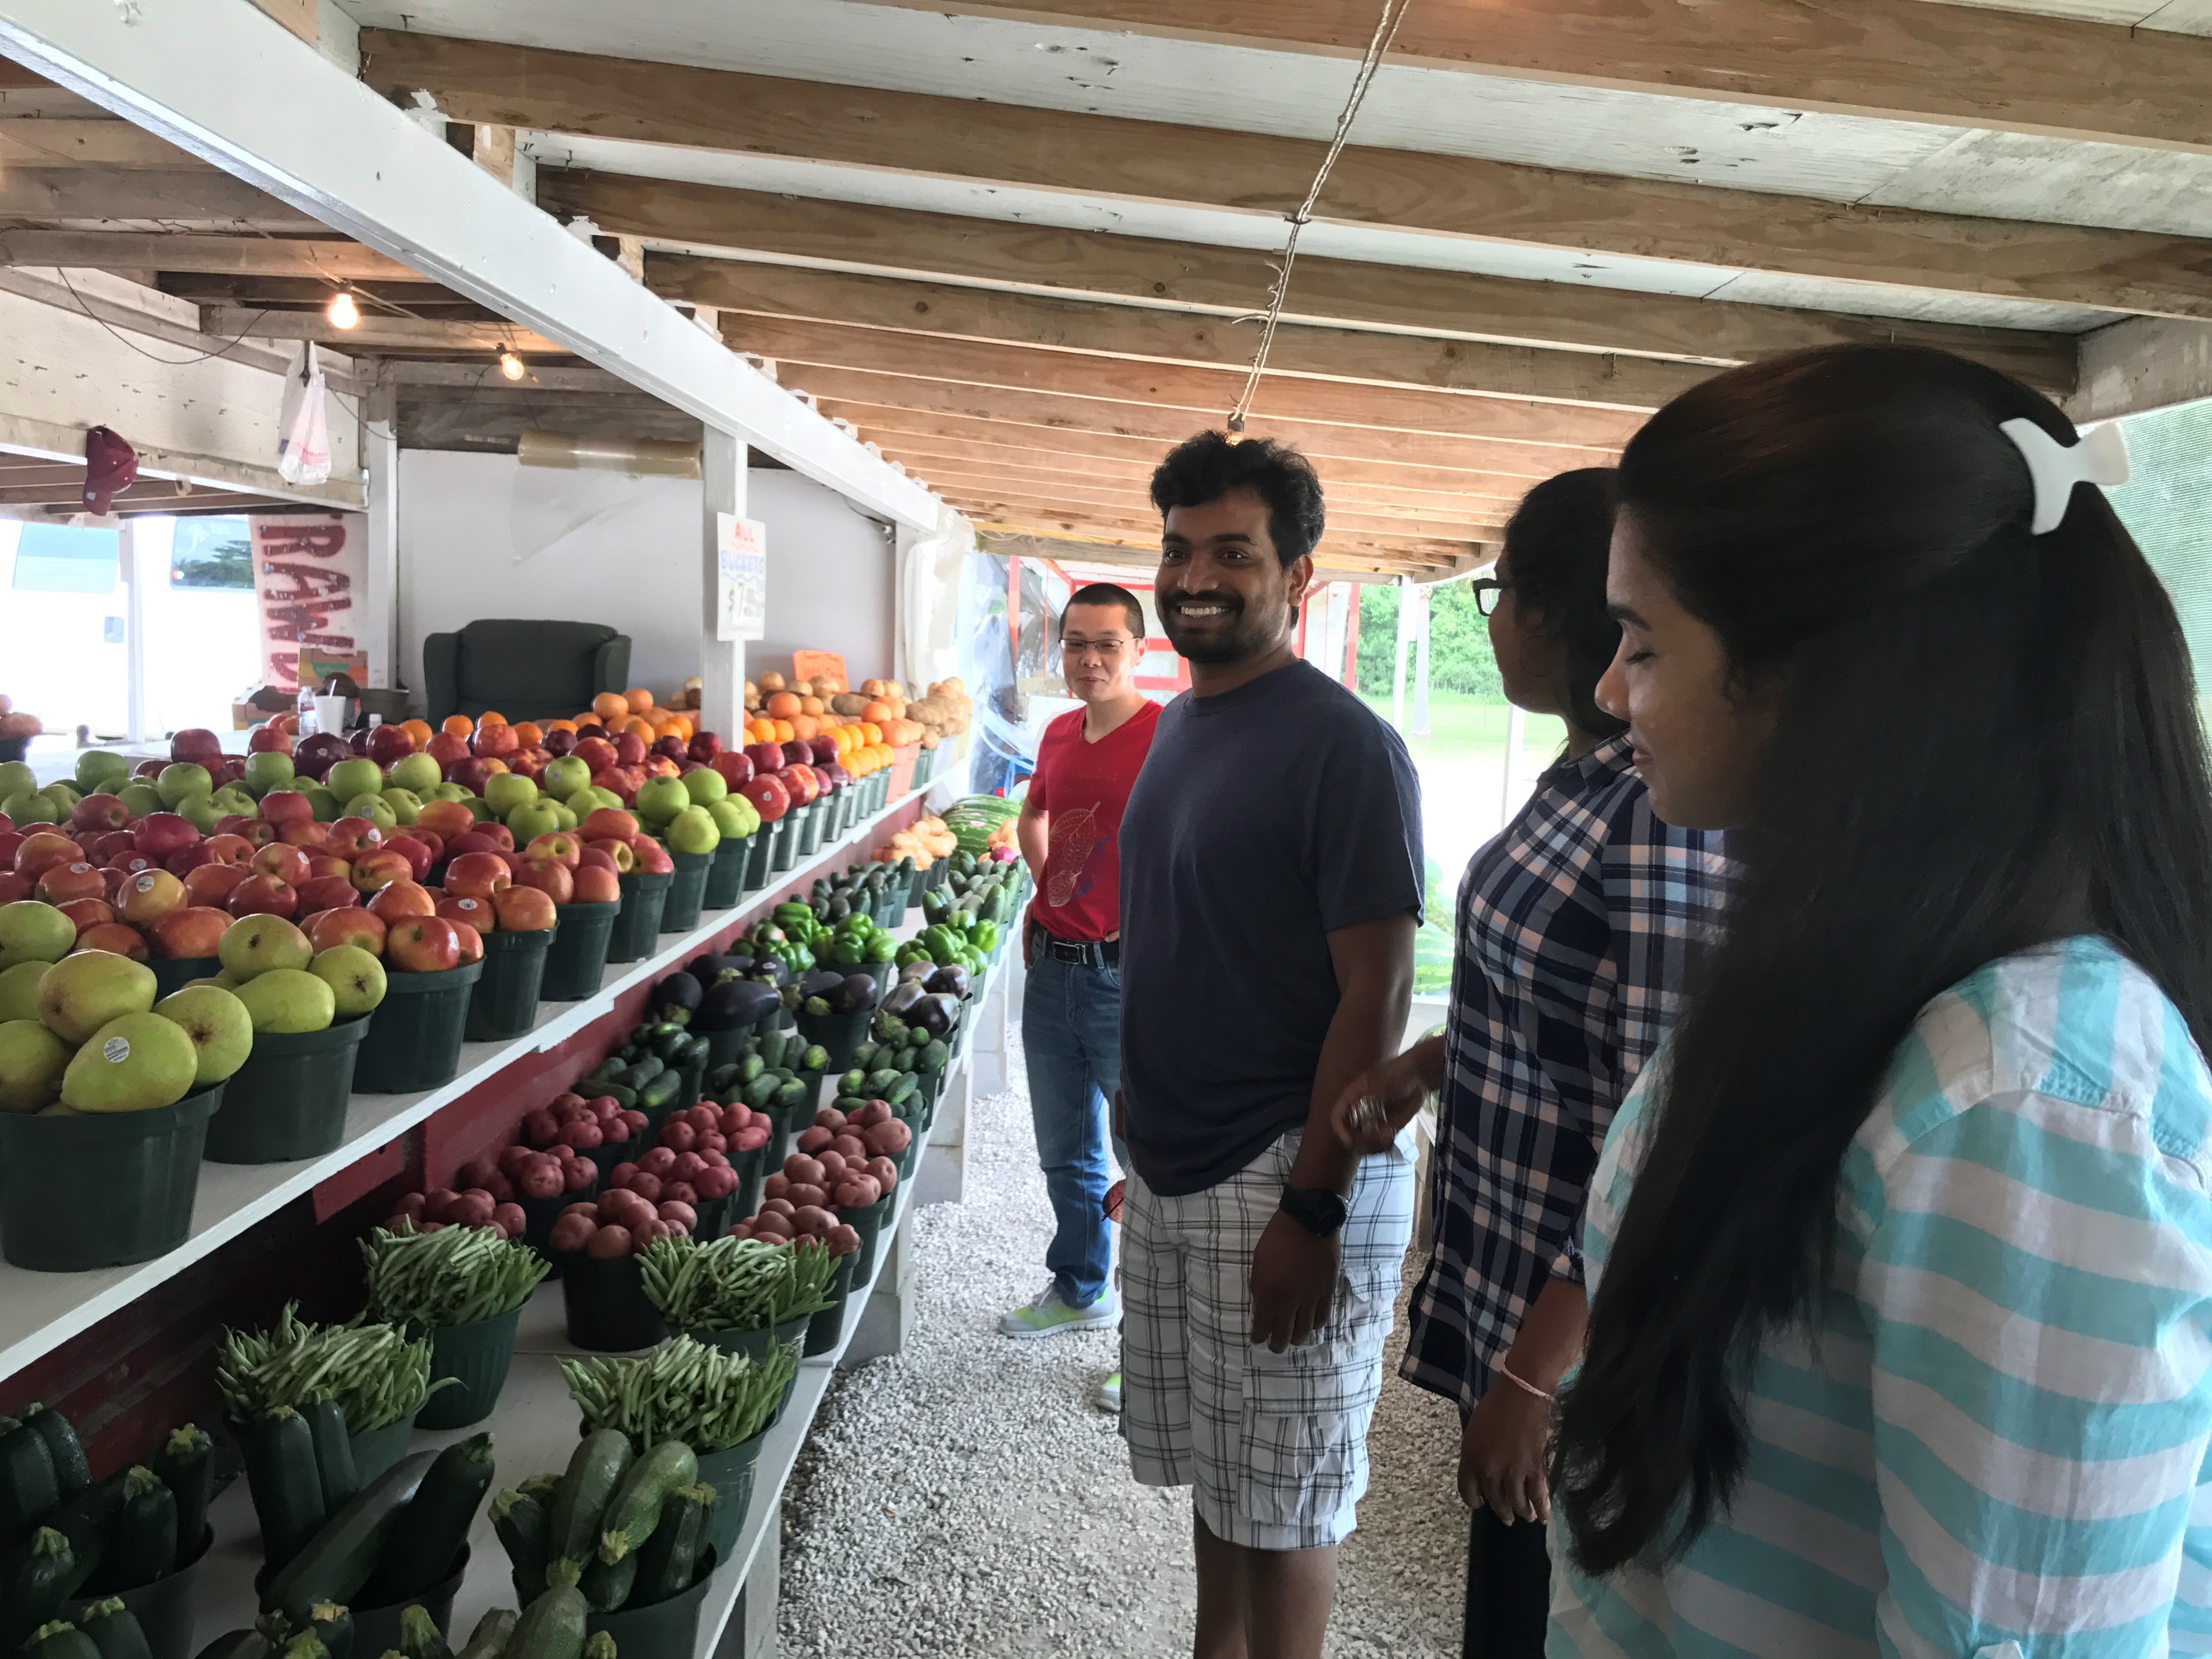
(483, 536)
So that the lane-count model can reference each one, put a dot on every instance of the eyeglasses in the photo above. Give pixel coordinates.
(1487, 589)
(1106, 651)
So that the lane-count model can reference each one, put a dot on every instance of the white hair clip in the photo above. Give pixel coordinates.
(2100, 458)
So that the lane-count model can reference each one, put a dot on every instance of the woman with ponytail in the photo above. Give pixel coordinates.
(1900, 1253)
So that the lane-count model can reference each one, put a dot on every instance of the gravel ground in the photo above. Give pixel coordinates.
(964, 1498)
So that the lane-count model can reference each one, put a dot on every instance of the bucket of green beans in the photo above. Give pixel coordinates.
(463, 1287)
(743, 1296)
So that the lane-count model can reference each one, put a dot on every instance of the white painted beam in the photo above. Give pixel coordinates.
(232, 86)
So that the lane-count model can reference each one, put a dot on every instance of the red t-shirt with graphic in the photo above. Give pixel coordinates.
(1082, 787)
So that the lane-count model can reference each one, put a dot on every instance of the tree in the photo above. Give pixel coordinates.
(1460, 658)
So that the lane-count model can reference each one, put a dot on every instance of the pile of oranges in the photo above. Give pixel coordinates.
(611, 714)
(802, 713)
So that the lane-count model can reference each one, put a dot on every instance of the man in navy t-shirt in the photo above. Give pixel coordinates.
(1271, 885)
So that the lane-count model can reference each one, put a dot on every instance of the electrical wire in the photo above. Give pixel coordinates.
(1386, 30)
(174, 362)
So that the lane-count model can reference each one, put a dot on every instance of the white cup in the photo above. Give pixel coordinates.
(331, 714)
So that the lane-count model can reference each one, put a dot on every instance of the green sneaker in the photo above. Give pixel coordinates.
(1050, 1316)
(1107, 1396)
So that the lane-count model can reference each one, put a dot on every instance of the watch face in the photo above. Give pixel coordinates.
(1318, 1209)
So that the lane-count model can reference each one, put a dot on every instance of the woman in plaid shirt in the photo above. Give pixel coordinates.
(1574, 925)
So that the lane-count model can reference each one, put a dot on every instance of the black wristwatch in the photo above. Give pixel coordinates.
(1320, 1210)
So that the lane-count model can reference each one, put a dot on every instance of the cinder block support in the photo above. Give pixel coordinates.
(889, 1316)
(751, 1634)
(990, 1050)
(942, 1177)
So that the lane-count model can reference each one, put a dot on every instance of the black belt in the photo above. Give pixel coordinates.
(1087, 953)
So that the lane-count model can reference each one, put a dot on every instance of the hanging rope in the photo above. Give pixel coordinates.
(1386, 30)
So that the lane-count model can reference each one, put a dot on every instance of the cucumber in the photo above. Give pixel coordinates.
(186, 1466)
(142, 1543)
(436, 1524)
(607, 1588)
(519, 1520)
(287, 1485)
(552, 1626)
(332, 1626)
(335, 1566)
(601, 1646)
(327, 1427)
(28, 1486)
(790, 1096)
(815, 1058)
(573, 1526)
(645, 1071)
(60, 1640)
(72, 1474)
(661, 1091)
(760, 1093)
(114, 1630)
(878, 1081)
(935, 1056)
(489, 1640)
(420, 1636)
(750, 1067)
(897, 1093)
(670, 1558)
(306, 1645)
(636, 1508)
(31, 1584)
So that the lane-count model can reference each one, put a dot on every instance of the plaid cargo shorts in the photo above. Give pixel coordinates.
(1274, 1444)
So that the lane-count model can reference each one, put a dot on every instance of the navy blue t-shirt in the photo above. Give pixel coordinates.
(1265, 819)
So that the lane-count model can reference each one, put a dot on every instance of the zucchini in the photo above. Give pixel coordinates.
(306, 1645)
(28, 1486)
(251, 1643)
(281, 1473)
(519, 1520)
(670, 1558)
(607, 1588)
(552, 1626)
(60, 1640)
(573, 1526)
(186, 1466)
(332, 1626)
(540, 1486)
(420, 1636)
(635, 1510)
(327, 1427)
(142, 1543)
(84, 1521)
(72, 1474)
(114, 1630)
(436, 1523)
(31, 1584)
(601, 1646)
(489, 1640)
(335, 1566)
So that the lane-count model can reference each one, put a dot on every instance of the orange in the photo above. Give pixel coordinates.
(782, 705)
(872, 732)
(810, 705)
(611, 705)
(639, 730)
(639, 700)
(418, 730)
(491, 717)
(458, 726)
(494, 763)
(784, 733)
(528, 734)
(560, 725)
(806, 726)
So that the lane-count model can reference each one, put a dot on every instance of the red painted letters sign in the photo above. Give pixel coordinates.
(311, 575)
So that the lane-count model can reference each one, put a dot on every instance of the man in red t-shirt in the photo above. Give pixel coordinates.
(1070, 831)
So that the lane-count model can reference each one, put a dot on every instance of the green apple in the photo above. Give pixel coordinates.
(446, 792)
(132, 1063)
(418, 773)
(692, 830)
(140, 798)
(356, 978)
(324, 803)
(64, 794)
(16, 778)
(705, 786)
(266, 770)
(200, 812)
(601, 797)
(218, 1024)
(734, 817)
(377, 810)
(505, 791)
(567, 814)
(406, 806)
(231, 799)
(253, 946)
(564, 776)
(540, 817)
(19, 990)
(479, 807)
(32, 1061)
(83, 991)
(286, 1002)
(358, 776)
(26, 806)
(97, 769)
(183, 778)
(31, 931)
(659, 799)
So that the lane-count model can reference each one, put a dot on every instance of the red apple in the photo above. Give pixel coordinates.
(629, 749)
(671, 747)
(387, 744)
(555, 846)
(320, 863)
(233, 770)
(268, 740)
(735, 766)
(230, 849)
(84, 913)
(347, 924)
(184, 863)
(423, 945)
(556, 881)
(502, 838)
(60, 883)
(262, 895)
(283, 807)
(445, 818)
(429, 840)
(148, 768)
(44, 848)
(619, 853)
(558, 743)
(477, 912)
(703, 747)
(10, 839)
(110, 848)
(150, 895)
(469, 772)
(597, 884)
(524, 910)
(14, 887)
(403, 899)
(197, 743)
(799, 783)
(288, 864)
(320, 893)
(595, 858)
(350, 837)
(211, 883)
(114, 935)
(445, 747)
(474, 842)
(192, 932)
(470, 940)
(98, 814)
(255, 832)
(769, 796)
(652, 859)
(374, 871)
(305, 833)
(765, 756)
(493, 742)
(315, 755)
(607, 821)
(111, 883)
(596, 753)
(416, 854)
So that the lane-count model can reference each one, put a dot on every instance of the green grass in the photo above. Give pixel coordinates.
(1464, 728)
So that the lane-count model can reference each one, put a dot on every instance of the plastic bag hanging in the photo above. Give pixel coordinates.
(303, 434)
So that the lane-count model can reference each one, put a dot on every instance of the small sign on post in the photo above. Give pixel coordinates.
(740, 578)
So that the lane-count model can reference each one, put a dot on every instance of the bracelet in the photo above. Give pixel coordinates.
(1523, 1384)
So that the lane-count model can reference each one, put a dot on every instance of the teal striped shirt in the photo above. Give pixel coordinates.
(1993, 1446)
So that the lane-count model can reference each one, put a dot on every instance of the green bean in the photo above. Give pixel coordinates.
(682, 1390)
(455, 1276)
(374, 1372)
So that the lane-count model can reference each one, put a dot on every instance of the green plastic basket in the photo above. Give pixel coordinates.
(414, 1040)
(576, 961)
(100, 1189)
(477, 1355)
(687, 892)
(174, 974)
(725, 876)
(288, 1100)
(760, 861)
(504, 1003)
(637, 929)
(783, 853)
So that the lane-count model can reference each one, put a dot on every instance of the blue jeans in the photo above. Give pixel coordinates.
(1072, 1031)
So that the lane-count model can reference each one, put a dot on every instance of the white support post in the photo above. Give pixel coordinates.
(1398, 657)
(381, 461)
(1516, 724)
(143, 542)
(722, 662)
(1421, 665)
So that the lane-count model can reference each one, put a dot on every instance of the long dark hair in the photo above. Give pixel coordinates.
(1555, 552)
(1983, 740)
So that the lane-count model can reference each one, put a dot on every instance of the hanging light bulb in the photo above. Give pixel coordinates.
(342, 312)
(510, 365)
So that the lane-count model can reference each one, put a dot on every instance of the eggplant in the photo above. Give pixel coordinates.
(915, 972)
(728, 1004)
(770, 970)
(903, 997)
(708, 968)
(675, 999)
(854, 994)
(951, 978)
(935, 1014)
(820, 983)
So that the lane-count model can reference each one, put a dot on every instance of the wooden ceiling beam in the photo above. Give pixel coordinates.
(1408, 550)
(45, 142)
(189, 198)
(1351, 511)
(947, 311)
(374, 331)
(1894, 60)
(1232, 281)
(800, 350)
(1333, 554)
(218, 256)
(1000, 498)
(1079, 551)
(1240, 170)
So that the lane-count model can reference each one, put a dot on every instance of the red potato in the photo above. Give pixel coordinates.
(579, 1113)
(680, 1192)
(678, 1135)
(541, 1128)
(613, 1131)
(500, 1188)
(736, 1120)
(802, 1195)
(647, 1186)
(582, 1133)
(711, 1140)
(776, 1206)
(678, 1212)
(429, 1226)
(813, 1220)
(875, 1112)
(637, 1121)
(713, 1184)
(510, 1220)
(606, 1108)
(888, 1139)
(858, 1194)
(775, 1186)
(885, 1171)
(620, 1204)
(853, 1148)
(577, 1173)
(573, 1231)
(586, 1208)
(799, 1168)
(659, 1161)
(646, 1232)
(842, 1239)
(751, 1139)
(685, 1166)
(621, 1174)
(565, 1102)
(777, 1227)
(512, 1158)
(830, 1118)
(438, 1204)
(410, 1205)
(832, 1162)
(471, 1209)
(477, 1172)
(542, 1180)
(610, 1243)
(713, 1160)
(814, 1140)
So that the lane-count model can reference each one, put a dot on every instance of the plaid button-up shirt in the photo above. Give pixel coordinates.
(1575, 927)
